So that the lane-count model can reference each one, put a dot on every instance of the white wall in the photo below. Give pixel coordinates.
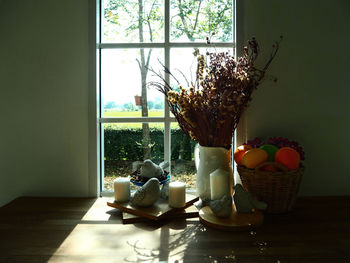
(310, 101)
(44, 79)
(44, 98)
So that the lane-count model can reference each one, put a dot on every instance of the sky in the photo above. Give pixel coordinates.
(121, 78)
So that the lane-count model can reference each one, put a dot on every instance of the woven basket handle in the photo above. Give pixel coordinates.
(277, 165)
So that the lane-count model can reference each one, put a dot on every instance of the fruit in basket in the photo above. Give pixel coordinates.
(238, 154)
(283, 142)
(279, 142)
(254, 157)
(288, 157)
(270, 150)
(269, 168)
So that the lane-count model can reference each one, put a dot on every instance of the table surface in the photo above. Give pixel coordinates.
(87, 230)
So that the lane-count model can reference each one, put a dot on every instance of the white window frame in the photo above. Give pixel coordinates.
(166, 46)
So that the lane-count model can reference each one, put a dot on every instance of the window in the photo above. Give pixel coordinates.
(135, 37)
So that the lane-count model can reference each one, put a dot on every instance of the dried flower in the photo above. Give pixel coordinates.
(210, 109)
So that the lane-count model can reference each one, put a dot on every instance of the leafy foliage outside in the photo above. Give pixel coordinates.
(195, 20)
(189, 20)
(125, 144)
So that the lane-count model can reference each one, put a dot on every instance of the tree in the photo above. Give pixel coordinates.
(143, 18)
(150, 104)
(110, 105)
(159, 106)
(129, 106)
(192, 19)
(197, 19)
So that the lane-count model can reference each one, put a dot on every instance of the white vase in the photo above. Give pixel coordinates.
(208, 159)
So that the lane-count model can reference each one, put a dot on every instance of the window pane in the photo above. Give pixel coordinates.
(184, 64)
(182, 157)
(125, 144)
(122, 80)
(121, 21)
(195, 20)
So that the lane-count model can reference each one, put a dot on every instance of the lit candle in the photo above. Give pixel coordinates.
(177, 194)
(219, 184)
(122, 189)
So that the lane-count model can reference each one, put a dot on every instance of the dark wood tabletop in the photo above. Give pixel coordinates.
(87, 230)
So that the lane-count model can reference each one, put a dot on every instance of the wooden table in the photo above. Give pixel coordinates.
(87, 230)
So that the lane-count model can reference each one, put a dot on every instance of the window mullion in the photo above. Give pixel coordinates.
(163, 45)
(135, 119)
(167, 135)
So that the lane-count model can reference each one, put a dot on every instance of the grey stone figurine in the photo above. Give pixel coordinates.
(221, 207)
(149, 169)
(244, 201)
(146, 195)
(164, 165)
(164, 192)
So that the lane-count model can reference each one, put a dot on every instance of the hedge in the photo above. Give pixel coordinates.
(125, 144)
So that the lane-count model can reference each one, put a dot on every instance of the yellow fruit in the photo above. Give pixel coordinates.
(253, 157)
(239, 153)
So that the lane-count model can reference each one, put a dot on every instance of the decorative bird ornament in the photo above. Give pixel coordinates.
(221, 207)
(244, 201)
(164, 192)
(149, 169)
(146, 195)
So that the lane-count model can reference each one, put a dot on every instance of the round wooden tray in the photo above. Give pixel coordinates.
(236, 221)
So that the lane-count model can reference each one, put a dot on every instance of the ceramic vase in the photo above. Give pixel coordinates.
(208, 159)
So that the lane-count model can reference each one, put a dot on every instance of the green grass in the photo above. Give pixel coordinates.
(130, 114)
(134, 114)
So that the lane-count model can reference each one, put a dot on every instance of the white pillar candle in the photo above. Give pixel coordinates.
(177, 194)
(122, 189)
(219, 184)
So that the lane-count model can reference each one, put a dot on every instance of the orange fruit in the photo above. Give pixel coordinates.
(253, 157)
(288, 157)
(238, 154)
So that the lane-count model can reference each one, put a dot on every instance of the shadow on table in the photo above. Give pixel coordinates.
(293, 237)
(190, 241)
(33, 228)
(174, 235)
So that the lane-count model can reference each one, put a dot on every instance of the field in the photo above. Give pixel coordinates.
(130, 114)
(134, 114)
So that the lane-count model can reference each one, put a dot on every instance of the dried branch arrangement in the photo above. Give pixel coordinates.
(210, 108)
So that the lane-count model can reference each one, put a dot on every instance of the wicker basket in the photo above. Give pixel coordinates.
(278, 189)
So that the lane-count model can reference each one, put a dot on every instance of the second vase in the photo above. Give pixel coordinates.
(208, 159)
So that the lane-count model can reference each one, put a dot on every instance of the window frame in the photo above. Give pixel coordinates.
(167, 45)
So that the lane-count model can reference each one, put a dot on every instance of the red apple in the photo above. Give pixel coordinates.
(238, 154)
